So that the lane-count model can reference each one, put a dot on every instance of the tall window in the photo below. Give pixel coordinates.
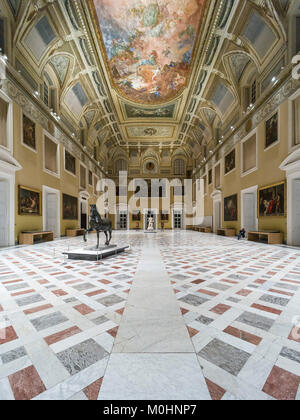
(2, 39)
(218, 176)
(82, 177)
(121, 165)
(3, 123)
(51, 156)
(179, 167)
(296, 120)
(253, 92)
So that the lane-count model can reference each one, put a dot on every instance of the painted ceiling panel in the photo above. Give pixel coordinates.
(149, 45)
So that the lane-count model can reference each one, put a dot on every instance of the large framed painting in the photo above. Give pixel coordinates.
(230, 162)
(30, 202)
(272, 200)
(29, 139)
(272, 130)
(70, 207)
(231, 208)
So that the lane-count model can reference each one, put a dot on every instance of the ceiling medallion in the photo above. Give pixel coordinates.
(150, 132)
(148, 45)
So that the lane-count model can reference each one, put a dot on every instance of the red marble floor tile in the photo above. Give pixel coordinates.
(218, 273)
(295, 334)
(120, 311)
(126, 291)
(113, 332)
(84, 274)
(37, 309)
(281, 292)
(220, 309)
(104, 281)
(22, 293)
(1, 308)
(192, 332)
(7, 334)
(198, 281)
(73, 282)
(243, 335)
(282, 385)
(92, 391)
(216, 392)
(96, 292)
(260, 281)
(84, 309)
(266, 309)
(12, 281)
(59, 292)
(26, 384)
(244, 292)
(229, 281)
(43, 282)
(291, 281)
(207, 292)
(62, 335)
(176, 291)
(58, 273)
(184, 311)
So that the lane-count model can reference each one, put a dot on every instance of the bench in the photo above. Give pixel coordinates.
(226, 232)
(273, 238)
(71, 233)
(31, 238)
(203, 229)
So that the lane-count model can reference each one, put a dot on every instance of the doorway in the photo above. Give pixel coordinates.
(296, 212)
(83, 213)
(51, 214)
(249, 209)
(177, 219)
(4, 213)
(148, 215)
(123, 220)
(217, 215)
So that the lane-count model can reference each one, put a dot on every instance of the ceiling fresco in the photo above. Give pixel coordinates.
(149, 45)
(161, 112)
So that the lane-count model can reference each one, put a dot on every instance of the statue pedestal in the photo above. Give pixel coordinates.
(94, 254)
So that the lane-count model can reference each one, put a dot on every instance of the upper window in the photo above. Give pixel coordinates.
(51, 156)
(82, 176)
(2, 37)
(70, 163)
(121, 165)
(218, 176)
(4, 106)
(179, 167)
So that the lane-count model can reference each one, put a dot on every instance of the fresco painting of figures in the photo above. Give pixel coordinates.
(149, 45)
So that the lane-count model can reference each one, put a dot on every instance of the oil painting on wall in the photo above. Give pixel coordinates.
(272, 200)
(272, 130)
(230, 162)
(29, 133)
(231, 208)
(70, 207)
(29, 202)
(149, 44)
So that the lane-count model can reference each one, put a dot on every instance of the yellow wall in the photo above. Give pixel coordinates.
(33, 176)
(268, 173)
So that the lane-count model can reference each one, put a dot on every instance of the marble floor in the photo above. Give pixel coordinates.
(179, 316)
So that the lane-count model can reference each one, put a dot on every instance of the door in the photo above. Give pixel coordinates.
(249, 208)
(177, 219)
(4, 213)
(296, 211)
(51, 214)
(83, 214)
(123, 220)
(217, 215)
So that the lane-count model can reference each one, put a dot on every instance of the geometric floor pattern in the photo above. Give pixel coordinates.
(240, 302)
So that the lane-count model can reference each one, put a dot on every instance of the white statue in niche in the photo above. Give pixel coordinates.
(150, 223)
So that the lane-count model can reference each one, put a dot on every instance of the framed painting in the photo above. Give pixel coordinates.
(29, 139)
(30, 202)
(230, 162)
(70, 207)
(136, 216)
(70, 163)
(164, 217)
(272, 130)
(272, 200)
(231, 208)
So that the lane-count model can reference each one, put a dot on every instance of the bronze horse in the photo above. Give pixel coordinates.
(100, 225)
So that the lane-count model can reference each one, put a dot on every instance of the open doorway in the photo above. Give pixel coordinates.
(177, 219)
(83, 213)
(4, 213)
(51, 213)
(249, 209)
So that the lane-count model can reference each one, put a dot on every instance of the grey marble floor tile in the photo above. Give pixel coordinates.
(29, 299)
(13, 355)
(193, 300)
(110, 300)
(47, 321)
(290, 354)
(257, 321)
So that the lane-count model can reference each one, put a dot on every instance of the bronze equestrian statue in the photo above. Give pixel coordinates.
(100, 225)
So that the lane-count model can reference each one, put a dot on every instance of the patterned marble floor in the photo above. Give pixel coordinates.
(239, 303)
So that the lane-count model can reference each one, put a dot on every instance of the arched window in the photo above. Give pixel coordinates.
(179, 167)
(121, 165)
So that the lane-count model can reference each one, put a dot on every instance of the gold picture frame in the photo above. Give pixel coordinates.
(271, 200)
(29, 201)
